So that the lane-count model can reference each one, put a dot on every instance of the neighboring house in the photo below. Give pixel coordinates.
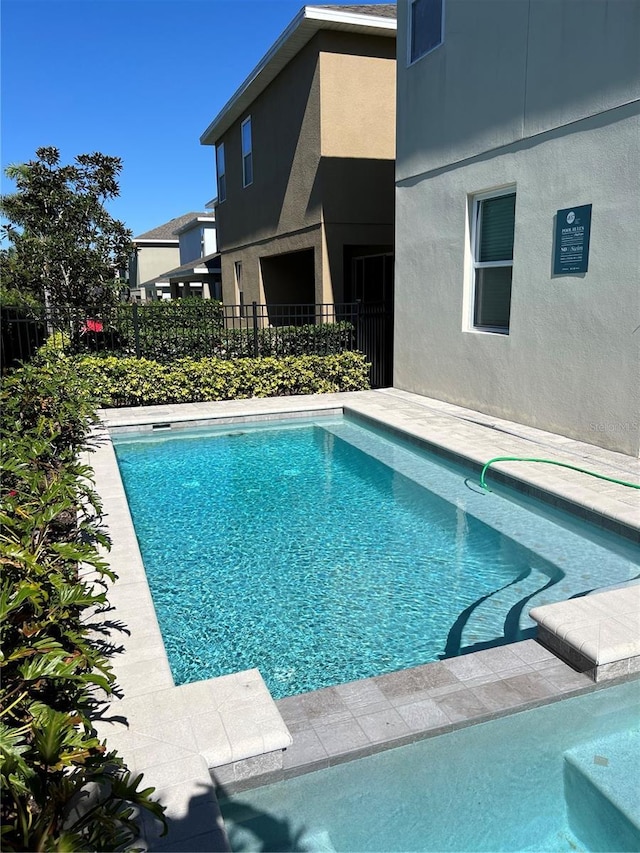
(518, 131)
(305, 163)
(199, 270)
(154, 252)
(162, 265)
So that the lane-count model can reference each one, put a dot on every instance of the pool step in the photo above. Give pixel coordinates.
(602, 792)
(508, 607)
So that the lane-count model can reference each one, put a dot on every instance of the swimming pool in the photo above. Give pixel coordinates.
(324, 551)
(559, 778)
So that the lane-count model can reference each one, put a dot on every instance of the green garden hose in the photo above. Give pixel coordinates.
(551, 462)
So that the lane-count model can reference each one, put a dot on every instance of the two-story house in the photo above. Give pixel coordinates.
(199, 270)
(305, 163)
(518, 211)
(177, 258)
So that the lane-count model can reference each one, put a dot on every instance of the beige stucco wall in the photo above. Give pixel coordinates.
(357, 119)
(552, 109)
(152, 261)
(323, 154)
(283, 197)
(250, 257)
(358, 99)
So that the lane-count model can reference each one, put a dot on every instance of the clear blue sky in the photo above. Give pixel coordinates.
(137, 79)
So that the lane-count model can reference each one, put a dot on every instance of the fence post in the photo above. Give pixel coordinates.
(358, 324)
(254, 307)
(136, 328)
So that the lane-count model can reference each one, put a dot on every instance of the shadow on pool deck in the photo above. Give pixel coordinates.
(199, 829)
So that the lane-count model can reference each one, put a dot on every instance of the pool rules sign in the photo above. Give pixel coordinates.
(573, 229)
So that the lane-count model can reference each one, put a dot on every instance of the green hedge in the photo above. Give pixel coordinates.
(193, 328)
(168, 329)
(62, 789)
(199, 340)
(138, 382)
(310, 339)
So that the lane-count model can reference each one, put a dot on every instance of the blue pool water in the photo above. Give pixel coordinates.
(323, 552)
(558, 778)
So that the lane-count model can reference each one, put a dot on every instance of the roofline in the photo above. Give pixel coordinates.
(308, 21)
(151, 281)
(189, 225)
(155, 240)
(199, 267)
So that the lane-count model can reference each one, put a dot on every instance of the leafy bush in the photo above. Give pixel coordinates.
(57, 342)
(13, 298)
(193, 328)
(22, 329)
(169, 329)
(62, 789)
(138, 382)
(310, 339)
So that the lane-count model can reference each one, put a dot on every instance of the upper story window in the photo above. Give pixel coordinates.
(247, 155)
(492, 240)
(426, 27)
(221, 170)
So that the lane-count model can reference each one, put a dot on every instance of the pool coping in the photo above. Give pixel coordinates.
(347, 721)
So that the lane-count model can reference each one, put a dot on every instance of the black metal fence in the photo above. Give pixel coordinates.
(165, 331)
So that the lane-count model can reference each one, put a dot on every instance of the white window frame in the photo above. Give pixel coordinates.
(476, 229)
(222, 175)
(248, 153)
(410, 59)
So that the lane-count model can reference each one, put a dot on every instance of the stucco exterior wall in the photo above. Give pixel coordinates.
(152, 261)
(285, 121)
(323, 146)
(250, 257)
(356, 173)
(508, 70)
(571, 360)
(357, 96)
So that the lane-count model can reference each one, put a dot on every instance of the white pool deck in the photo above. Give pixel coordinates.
(176, 735)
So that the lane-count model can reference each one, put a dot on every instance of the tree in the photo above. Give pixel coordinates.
(65, 246)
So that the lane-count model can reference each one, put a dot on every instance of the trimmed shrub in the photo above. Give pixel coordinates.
(138, 382)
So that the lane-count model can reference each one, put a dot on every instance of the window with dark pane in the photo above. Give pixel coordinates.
(497, 216)
(247, 153)
(222, 172)
(426, 26)
(493, 262)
